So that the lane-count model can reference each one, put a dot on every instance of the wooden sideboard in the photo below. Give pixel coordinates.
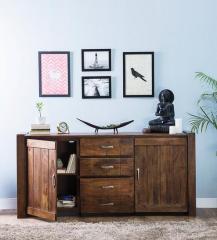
(125, 173)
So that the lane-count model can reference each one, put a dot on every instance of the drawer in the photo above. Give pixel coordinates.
(90, 147)
(107, 205)
(107, 195)
(100, 167)
(169, 141)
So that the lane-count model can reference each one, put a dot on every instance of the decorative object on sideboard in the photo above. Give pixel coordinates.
(40, 129)
(114, 127)
(138, 74)
(165, 111)
(96, 59)
(63, 128)
(39, 107)
(59, 163)
(177, 128)
(96, 87)
(207, 115)
(54, 74)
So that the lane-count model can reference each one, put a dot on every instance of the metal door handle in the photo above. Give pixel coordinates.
(137, 174)
(107, 146)
(107, 167)
(54, 180)
(107, 204)
(107, 187)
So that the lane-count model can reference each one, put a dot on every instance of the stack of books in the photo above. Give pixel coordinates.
(40, 129)
(66, 201)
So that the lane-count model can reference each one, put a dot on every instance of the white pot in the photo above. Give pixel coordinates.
(42, 120)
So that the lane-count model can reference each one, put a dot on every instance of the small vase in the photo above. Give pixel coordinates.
(42, 120)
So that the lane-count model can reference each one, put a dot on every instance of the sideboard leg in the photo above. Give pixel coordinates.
(191, 175)
(21, 177)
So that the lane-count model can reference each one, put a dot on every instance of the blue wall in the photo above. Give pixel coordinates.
(182, 33)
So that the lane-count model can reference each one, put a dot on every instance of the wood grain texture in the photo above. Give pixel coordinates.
(162, 184)
(191, 175)
(162, 157)
(41, 144)
(21, 176)
(160, 141)
(52, 182)
(101, 167)
(106, 147)
(41, 214)
(30, 177)
(107, 195)
(42, 182)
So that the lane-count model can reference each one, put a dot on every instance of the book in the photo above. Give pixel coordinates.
(41, 132)
(71, 167)
(61, 204)
(62, 170)
(40, 126)
(66, 201)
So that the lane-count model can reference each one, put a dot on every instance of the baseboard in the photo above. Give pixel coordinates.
(206, 203)
(11, 203)
(8, 203)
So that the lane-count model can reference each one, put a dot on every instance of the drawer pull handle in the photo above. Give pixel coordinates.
(54, 181)
(107, 187)
(107, 146)
(107, 204)
(107, 167)
(137, 173)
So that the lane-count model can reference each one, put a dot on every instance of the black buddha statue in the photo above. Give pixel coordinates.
(165, 111)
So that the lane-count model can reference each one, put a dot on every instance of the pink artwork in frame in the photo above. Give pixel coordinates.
(54, 74)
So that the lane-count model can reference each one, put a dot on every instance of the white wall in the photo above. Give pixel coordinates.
(182, 34)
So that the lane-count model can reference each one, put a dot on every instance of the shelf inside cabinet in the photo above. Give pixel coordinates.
(66, 211)
(67, 174)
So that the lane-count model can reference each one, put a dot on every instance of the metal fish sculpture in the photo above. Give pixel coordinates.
(110, 126)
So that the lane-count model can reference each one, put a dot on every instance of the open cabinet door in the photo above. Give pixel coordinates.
(42, 193)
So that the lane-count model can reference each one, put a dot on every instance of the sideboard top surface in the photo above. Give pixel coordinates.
(104, 134)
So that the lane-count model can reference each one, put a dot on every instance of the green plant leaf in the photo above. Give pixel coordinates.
(206, 115)
(207, 79)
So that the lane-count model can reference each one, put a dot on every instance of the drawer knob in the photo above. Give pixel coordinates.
(107, 187)
(107, 167)
(107, 204)
(107, 146)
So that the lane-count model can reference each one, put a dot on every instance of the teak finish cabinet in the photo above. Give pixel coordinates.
(126, 173)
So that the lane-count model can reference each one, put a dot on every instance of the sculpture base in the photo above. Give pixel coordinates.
(159, 128)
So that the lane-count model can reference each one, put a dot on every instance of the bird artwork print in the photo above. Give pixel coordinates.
(137, 74)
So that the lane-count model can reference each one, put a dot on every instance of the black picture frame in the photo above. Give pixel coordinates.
(84, 69)
(138, 75)
(40, 54)
(84, 96)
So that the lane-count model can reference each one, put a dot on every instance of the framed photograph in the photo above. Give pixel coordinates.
(138, 74)
(96, 59)
(54, 74)
(96, 87)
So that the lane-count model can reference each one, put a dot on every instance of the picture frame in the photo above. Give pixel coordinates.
(96, 87)
(96, 59)
(54, 73)
(138, 74)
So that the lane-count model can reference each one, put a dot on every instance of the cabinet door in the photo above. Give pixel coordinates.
(161, 175)
(42, 194)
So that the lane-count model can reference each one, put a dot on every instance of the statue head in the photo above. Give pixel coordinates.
(166, 96)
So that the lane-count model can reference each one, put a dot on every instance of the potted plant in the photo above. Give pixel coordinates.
(207, 103)
(39, 106)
